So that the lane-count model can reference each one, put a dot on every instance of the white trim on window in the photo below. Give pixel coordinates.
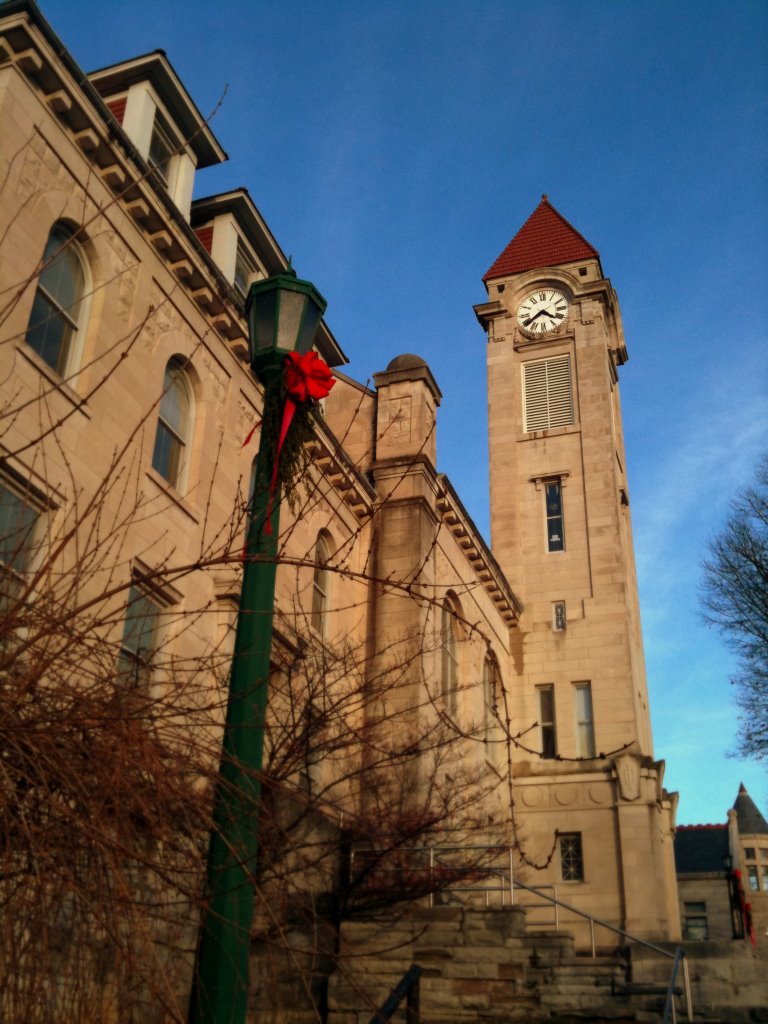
(585, 725)
(175, 426)
(545, 696)
(57, 321)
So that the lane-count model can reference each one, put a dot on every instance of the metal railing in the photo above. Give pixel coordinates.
(506, 884)
(408, 986)
(677, 957)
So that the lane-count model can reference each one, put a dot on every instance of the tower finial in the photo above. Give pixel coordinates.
(545, 197)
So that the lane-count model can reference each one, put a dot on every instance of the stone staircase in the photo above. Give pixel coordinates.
(481, 965)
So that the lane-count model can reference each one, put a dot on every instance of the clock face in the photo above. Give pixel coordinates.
(542, 311)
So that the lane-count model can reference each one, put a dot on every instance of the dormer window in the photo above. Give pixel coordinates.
(245, 270)
(161, 150)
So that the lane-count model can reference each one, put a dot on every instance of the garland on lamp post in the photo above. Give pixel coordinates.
(293, 381)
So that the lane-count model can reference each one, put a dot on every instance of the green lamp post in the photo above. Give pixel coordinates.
(283, 313)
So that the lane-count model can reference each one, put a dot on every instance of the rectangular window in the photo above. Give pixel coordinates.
(585, 729)
(547, 394)
(139, 640)
(245, 270)
(17, 527)
(695, 925)
(547, 720)
(754, 878)
(558, 616)
(553, 497)
(161, 149)
(571, 857)
(749, 853)
(763, 856)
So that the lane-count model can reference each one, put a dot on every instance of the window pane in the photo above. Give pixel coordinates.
(320, 588)
(62, 277)
(138, 640)
(547, 704)
(558, 615)
(167, 454)
(449, 658)
(244, 270)
(56, 306)
(553, 497)
(49, 333)
(571, 860)
(749, 852)
(160, 152)
(174, 407)
(173, 424)
(547, 721)
(585, 732)
(17, 522)
(696, 929)
(754, 881)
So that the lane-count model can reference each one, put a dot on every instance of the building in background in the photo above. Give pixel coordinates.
(722, 876)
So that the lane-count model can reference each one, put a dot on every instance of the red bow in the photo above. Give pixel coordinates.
(307, 378)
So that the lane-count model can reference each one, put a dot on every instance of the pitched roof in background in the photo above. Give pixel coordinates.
(751, 822)
(545, 240)
(700, 848)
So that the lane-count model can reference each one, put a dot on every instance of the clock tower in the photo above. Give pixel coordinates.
(587, 785)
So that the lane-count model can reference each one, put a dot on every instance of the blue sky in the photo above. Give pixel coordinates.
(395, 148)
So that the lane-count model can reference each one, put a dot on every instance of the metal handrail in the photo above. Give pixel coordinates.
(678, 956)
(407, 986)
(669, 1006)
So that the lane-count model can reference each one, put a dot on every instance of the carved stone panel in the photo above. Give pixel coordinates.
(628, 774)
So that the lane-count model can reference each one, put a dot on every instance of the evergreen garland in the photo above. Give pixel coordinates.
(294, 457)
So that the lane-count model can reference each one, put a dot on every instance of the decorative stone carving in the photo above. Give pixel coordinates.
(125, 271)
(628, 774)
(600, 793)
(532, 796)
(566, 795)
(395, 418)
(216, 386)
(162, 317)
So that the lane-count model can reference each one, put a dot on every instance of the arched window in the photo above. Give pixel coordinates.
(450, 638)
(175, 423)
(321, 587)
(57, 311)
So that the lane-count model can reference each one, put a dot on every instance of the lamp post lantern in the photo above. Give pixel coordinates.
(283, 313)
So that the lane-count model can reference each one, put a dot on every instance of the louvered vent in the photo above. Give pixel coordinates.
(547, 393)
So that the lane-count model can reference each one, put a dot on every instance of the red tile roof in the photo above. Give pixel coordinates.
(545, 240)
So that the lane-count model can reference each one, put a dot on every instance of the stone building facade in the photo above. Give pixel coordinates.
(127, 388)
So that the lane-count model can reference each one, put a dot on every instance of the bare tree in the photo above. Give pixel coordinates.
(735, 600)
